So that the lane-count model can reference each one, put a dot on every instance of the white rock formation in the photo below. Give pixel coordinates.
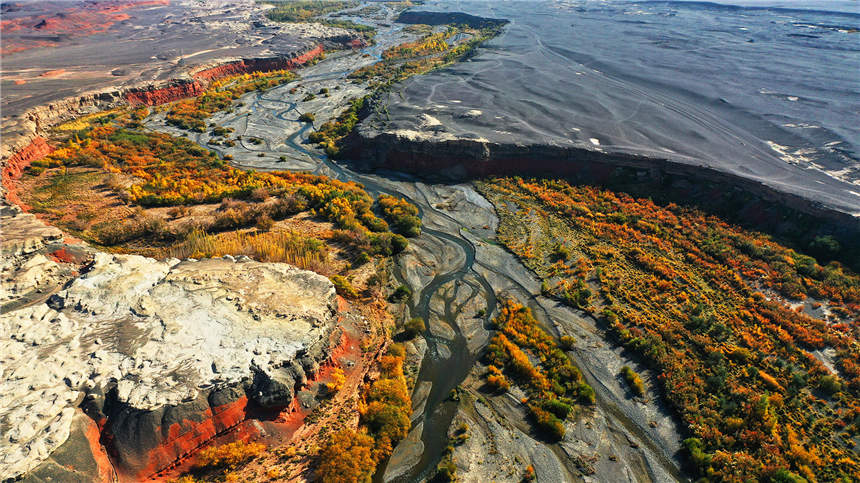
(160, 331)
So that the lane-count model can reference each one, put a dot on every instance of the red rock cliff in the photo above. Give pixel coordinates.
(163, 95)
(257, 65)
(15, 166)
(182, 89)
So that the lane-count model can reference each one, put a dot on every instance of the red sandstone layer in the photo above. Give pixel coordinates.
(257, 65)
(15, 166)
(181, 90)
(187, 437)
(93, 435)
(238, 421)
(163, 95)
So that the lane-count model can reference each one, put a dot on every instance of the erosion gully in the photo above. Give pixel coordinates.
(273, 117)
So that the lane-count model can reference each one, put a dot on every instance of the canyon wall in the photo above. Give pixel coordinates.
(741, 200)
(14, 167)
(244, 66)
(21, 134)
(173, 91)
(200, 79)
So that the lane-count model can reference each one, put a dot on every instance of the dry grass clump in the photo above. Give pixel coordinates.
(142, 225)
(273, 246)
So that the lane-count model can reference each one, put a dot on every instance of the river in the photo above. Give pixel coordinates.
(455, 268)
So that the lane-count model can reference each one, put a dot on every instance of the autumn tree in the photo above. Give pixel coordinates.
(347, 458)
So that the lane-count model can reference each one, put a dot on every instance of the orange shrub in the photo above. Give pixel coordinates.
(701, 302)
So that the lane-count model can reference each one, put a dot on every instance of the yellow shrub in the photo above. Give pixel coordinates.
(230, 455)
(337, 380)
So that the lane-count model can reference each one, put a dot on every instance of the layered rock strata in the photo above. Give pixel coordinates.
(22, 132)
(14, 166)
(199, 80)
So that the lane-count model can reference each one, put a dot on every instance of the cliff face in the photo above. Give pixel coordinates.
(20, 132)
(253, 65)
(162, 95)
(15, 166)
(180, 89)
(740, 199)
(443, 18)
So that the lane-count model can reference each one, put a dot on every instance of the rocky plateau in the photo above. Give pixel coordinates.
(161, 355)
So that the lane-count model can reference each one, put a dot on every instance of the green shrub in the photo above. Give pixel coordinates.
(401, 293)
(830, 385)
(586, 394)
(446, 471)
(461, 435)
(343, 287)
(547, 422)
(695, 449)
(567, 342)
(782, 475)
(633, 381)
(398, 243)
(415, 326)
(560, 253)
(361, 259)
(560, 409)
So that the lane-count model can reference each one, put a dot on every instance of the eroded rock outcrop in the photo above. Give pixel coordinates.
(163, 355)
